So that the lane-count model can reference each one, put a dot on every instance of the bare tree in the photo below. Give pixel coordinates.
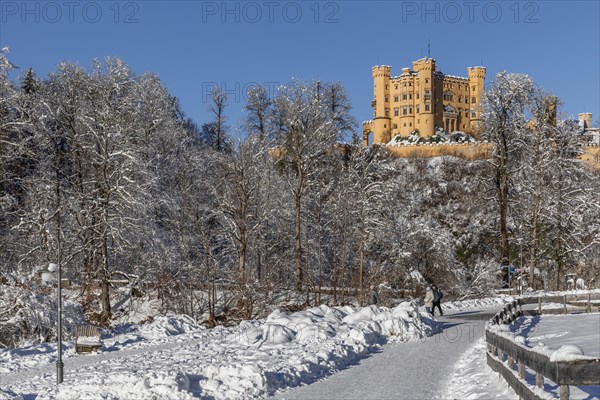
(217, 109)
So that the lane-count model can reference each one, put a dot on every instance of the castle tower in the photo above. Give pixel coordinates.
(585, 120)
(381, 104)
(425, 68)
(476, 89)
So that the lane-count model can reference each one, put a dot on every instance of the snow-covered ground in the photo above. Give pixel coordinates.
(473, 379)
(431, 368)
(552, 334)
(562, 338)
(582, 330)
(175, 358)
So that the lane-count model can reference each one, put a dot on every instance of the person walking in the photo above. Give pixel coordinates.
(437, 300)
(429, 300)
(373, 296)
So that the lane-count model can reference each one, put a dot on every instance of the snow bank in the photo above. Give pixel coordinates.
(254, 359)
(169, 325)
(477, 304)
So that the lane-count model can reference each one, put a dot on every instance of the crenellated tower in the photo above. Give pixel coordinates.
(381, 104)
(476, 89)
(585, 120)
(426, 95)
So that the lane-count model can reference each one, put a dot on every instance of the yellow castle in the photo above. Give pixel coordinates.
(423, 99)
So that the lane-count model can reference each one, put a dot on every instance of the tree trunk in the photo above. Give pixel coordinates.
(242, 257)
(320, 263)
(334, 262)
(362, 256)
(504, 247)
(105, 284)
(298, 244)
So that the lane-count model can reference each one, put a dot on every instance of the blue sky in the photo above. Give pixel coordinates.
(193, 45)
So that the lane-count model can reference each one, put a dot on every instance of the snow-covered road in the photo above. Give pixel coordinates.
(415, 370)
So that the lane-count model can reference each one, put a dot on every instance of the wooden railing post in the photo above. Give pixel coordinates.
(521, 369)
(564, 392)
(589, 303)
(539, 380)
(520, 307)
(540, 305)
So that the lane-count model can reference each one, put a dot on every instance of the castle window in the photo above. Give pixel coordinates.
(410, 110)
(418, 109)
(395, 112)
(466, 100)
(473, 114)
(387, 99)
(395, 126)
(387, 112)
(404, 110)
(427, 107)
(451, 96)
(387, 87)
(404, 84)
(464, 127)
(396, 87)
(410, 124)
(417, 96)
(405, 124)
(396, 99)
(410, 96)
(473, 100)
(403, 96)
(460, 99)
(409, 83)
(473, 88)
(426, 80)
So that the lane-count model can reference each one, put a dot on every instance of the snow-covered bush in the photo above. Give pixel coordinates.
(27, 317)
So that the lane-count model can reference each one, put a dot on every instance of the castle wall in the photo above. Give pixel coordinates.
(467, 151)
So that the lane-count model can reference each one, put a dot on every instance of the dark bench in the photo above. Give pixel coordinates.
(87, 339)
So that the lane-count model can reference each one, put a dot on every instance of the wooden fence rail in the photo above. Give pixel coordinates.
(562, 373)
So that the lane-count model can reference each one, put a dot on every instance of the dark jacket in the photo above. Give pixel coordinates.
(437, 295)
(374, 298)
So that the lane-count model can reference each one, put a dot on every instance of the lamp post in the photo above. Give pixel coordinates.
(48, 277)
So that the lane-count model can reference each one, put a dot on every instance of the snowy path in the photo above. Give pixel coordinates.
(415, 370)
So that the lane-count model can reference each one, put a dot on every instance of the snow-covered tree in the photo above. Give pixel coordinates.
(505, 104)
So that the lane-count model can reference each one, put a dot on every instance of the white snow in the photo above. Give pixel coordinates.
(473, 379)
(476, 304)
(174, 357)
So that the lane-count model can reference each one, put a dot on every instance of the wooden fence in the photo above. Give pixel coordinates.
(562, 373)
